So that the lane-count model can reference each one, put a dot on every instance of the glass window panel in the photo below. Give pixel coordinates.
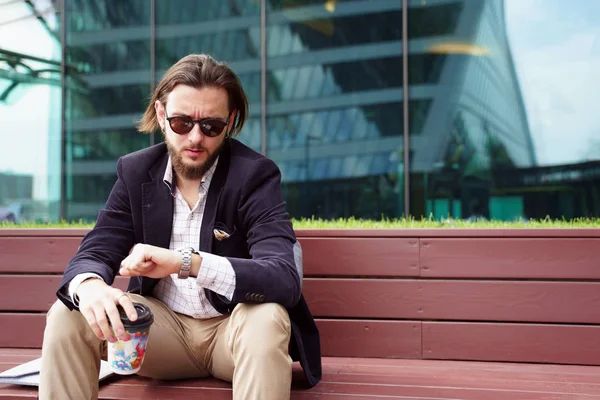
(507, 126)
(227, 31)
(108, 44)
(30, 109)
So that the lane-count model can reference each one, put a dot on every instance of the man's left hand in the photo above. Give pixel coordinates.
(150, 261)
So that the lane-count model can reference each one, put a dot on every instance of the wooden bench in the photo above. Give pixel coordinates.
(403, 314)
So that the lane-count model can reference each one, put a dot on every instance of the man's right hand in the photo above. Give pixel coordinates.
(98, 304)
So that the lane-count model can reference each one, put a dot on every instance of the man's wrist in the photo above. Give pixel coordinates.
(85, 281)
(196, 264)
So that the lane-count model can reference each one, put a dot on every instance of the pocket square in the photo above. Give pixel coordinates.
(220, 235)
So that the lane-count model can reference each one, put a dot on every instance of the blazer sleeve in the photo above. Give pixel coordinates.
(271, 274)
(107, 244)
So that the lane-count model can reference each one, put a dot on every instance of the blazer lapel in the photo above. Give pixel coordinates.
(157, 207)
(212, 199)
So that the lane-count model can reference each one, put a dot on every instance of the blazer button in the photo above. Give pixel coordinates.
(253, 297)
(248, 297)
(261, 298)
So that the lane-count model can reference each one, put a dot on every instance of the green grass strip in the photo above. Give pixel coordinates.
(355, 223)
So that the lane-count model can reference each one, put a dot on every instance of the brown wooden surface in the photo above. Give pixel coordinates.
(36, 254)
(393, 339)
(368, 338)
(34, 292)
(450, 232)
(345, 257)
(351, 378)
(569, 344)
(21, 330)
(536, 277)
(564, 302)
(558, 258)
(524, 301)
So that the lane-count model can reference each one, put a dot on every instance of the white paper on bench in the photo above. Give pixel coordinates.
(29, 373)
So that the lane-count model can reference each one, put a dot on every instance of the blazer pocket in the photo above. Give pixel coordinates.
(222, 233)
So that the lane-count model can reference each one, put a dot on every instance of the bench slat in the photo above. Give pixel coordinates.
(549, 258)
(391, 339)
(384, 339)
(34, 292)
(568, 344)
(360, 378)
(345, 257)
(405, 299)
(37, 254)
(521, 301)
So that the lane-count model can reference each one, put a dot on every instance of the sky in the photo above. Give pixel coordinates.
(24, 125)
(556, 50)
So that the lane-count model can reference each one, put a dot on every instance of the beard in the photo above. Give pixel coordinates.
(192, 172)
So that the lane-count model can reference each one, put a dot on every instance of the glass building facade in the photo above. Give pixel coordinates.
(371, 108)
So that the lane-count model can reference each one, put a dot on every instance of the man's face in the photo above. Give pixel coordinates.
(193, 153)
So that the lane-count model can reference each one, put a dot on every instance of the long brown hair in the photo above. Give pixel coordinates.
(198, 70)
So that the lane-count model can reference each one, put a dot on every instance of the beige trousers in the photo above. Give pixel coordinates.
(248, 348)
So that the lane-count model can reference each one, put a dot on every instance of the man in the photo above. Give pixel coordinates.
(199, 224)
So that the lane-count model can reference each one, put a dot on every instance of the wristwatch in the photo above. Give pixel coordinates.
(186, 261)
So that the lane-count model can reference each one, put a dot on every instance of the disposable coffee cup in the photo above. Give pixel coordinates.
(125, 356)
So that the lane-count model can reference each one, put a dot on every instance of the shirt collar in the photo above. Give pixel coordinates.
(205, 182)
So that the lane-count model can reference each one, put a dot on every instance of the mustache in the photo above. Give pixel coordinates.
(196, 148)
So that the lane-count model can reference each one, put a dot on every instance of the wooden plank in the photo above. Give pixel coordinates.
(43, 232)
(363, 298)
(524, 301)
(450, 233)
(563, 344)
(26, 330)
(549, 258)
(37, 254)
(565, 302)
(347, 256)
(34, 292)
(339, 338)
(451, 300)
(376, 378)
(28, 293)
(377, 339)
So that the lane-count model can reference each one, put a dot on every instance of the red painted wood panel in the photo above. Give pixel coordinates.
(566, 344)
(450, 232)
(379, 339)
(31, 254)
(34, 292)
(363, 298)
(552, 258)
(339, 338)
(22, 330)
(360, 256)
(377, 378)
(565, 302)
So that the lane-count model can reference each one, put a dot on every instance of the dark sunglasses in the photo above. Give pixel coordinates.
(211, 127)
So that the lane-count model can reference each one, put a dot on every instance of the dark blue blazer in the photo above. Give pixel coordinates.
(244, 199)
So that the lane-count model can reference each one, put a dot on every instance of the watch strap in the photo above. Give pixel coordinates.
(186, 262)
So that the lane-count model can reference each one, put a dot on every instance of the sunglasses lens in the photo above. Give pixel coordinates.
(212, 127)
(181, 125)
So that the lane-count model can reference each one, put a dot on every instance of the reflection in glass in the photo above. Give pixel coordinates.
(30, 103)
(495, 136)
(228, 31)
(110, 41)
(334, 106)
